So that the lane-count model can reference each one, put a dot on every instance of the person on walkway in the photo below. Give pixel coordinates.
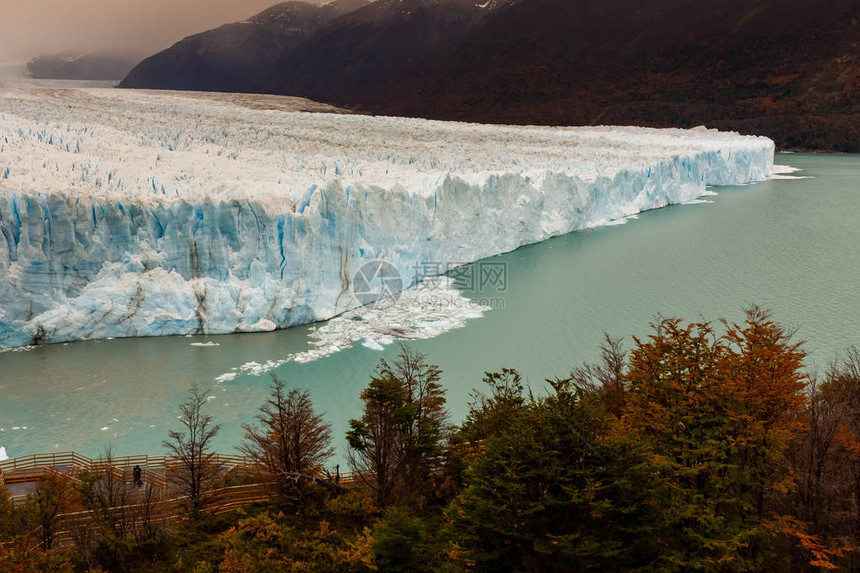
(137, 474)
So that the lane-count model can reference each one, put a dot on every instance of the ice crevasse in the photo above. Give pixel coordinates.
(128, 213)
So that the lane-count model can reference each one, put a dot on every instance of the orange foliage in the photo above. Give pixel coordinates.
(821, 554)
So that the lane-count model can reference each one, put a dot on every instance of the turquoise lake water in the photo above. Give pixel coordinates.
(789, 245)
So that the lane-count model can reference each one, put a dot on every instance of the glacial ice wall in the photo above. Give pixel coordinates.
(130, 213)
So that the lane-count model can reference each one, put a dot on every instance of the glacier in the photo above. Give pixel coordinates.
(141, 213)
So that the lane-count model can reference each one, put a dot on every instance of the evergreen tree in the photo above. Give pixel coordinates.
(396, 442)
(398, 542)
(551, 492)
(490, 414)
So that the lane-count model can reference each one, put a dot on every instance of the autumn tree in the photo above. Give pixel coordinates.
(718, 414)
(292, 443)
(103, 491)
(53, 497)
(606, 377)
(826, 461)
(23, 556)
(395, 443)
(9, 520)
(122, 519)
(192, 445)
(671, 460)
(842, 392)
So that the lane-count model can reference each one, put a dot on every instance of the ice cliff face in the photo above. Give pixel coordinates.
(128, 213)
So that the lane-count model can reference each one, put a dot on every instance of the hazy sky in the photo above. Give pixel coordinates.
(135, 27)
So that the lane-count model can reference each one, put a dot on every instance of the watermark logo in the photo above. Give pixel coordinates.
(377, 284)
(482, 277)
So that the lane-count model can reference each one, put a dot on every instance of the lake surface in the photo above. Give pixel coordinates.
(787, 244)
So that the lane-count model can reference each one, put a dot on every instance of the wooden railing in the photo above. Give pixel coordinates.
(43, 460)
(227, 499)
(76, 460)
(158, 471)
(155, 469)
(214, 502)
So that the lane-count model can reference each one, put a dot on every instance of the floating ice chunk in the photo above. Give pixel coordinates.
(613, 223)
(205, 344)
(229, 376)
(784, 172)
(699, 202)
(257, 369)
(372, 344)
(3, 455)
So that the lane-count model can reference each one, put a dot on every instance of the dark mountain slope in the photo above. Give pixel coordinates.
(365, 50)
(234, 57)
(789, 69)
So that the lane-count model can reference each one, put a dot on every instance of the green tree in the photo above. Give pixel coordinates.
(395, 443)
(551, 491)
(489, 414)
(399, 542)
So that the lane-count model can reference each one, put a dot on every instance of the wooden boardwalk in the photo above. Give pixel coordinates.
(19, 475)
(162, 497)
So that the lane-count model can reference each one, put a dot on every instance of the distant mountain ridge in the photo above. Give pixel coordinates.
(235, 57)
(74, 66)
(789, 69)
(300, 47)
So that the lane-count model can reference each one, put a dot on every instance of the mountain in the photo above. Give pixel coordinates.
(788, 69)
(235, 57)
(72, 66)
(364, 51)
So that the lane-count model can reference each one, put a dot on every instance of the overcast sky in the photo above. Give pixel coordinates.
(134, 27)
